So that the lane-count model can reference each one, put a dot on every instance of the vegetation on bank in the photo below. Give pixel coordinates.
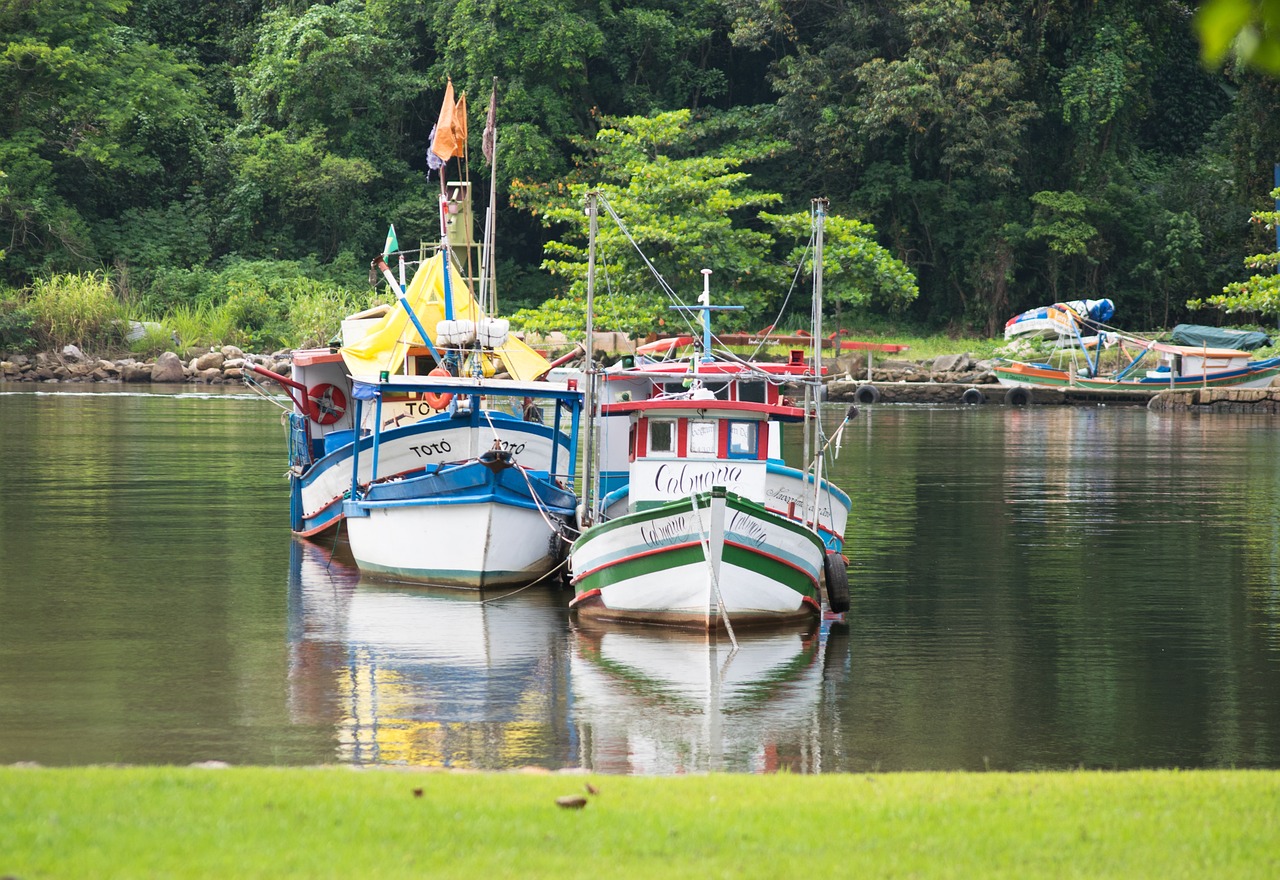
(257, 822)
(1005, 154)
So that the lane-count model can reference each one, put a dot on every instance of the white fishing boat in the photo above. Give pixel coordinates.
(480, 521)
(697, 546)
(405, 339)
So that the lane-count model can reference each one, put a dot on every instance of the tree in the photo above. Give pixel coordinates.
(1250, 27)
(685, 206)
(94, 121)
(1261, 293)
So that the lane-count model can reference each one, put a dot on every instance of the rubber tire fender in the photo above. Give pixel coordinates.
(835, 576)
(867, 394)
(1018, 396)
(973, 396)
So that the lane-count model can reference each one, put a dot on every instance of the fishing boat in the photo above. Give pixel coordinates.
(1151, 366)
(482, 518)
(405, 339)
(696, 545)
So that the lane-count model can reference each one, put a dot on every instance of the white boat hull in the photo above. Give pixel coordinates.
(476, 545)
(653, 566)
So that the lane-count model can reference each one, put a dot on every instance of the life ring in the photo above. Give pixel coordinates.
(973, 396)
(1018, 396)
(665, 345)
(867, 394)
(325, 403)
(434, 400)
(836, 576)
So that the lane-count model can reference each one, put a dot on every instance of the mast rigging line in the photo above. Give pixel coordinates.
(674, 297)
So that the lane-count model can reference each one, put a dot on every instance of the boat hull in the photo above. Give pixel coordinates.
(318, 493)
(651, 566)
(1018, 374)
(473, 525)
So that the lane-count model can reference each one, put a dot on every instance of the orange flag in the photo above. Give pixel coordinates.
(451, 129)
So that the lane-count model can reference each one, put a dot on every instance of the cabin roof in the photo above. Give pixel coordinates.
(725, 409)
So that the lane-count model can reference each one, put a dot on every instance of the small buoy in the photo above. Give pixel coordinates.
(1018, 396)
(571, 802)
(867, 394)
(973, 396)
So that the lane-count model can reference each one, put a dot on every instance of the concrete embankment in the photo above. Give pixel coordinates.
(1219, 400)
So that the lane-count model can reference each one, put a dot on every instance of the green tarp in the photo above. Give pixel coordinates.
(1217, 337)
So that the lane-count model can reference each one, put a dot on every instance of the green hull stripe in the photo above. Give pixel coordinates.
(643, 565)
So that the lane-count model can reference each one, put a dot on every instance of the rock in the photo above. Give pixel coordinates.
(211, 361)
(230, 351)
(73, 353)
(234, 364)
(235, 374)
(209, 376)
(950, 363)
(168, 368)
(135, 372)
(139, 329)
(571, 802)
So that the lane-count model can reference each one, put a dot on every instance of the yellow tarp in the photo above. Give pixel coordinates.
(385, 346)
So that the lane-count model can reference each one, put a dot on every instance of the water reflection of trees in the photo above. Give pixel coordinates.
(1056, 586)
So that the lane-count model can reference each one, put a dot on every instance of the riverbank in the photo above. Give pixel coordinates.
(339, 822)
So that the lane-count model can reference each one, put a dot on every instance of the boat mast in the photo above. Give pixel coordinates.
(819, 231)
(589, 397)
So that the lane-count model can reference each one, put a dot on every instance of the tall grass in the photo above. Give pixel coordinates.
(79, 309)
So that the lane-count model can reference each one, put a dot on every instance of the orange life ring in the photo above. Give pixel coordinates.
(326, 403)
(438, 401)
(664, 344)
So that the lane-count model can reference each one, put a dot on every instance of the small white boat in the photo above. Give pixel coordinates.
(487, 521)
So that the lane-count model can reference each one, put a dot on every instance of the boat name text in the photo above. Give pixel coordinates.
(685, 481)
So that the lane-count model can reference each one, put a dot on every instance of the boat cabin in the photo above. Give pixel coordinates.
(680, 447)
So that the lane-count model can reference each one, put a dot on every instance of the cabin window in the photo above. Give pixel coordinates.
(662, 436)
(744, 439)
(702, 437)
(752, 392)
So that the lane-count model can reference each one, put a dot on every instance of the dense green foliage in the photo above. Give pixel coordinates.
(1007, 154)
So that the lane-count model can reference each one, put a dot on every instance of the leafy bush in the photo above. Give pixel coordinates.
(79, 309)
(260, 319)
(17, 324)
(316, 311)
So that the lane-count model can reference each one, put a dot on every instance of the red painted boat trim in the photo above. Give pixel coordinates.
(589, 594)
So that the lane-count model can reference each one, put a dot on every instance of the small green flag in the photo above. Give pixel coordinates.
(392, 244)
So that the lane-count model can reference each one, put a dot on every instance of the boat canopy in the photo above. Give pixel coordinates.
(387, 343)
(1218, 337)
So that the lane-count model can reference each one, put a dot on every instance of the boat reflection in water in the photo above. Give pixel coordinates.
(665, 702)
(422, 676)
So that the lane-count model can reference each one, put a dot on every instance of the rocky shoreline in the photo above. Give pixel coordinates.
(225, 365)
(947, 379)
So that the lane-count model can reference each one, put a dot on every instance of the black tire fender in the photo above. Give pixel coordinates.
(973, 396)
(1018, 396)
(867, 394)
(836, 578)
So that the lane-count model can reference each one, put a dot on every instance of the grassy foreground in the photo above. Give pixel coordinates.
(266, 822)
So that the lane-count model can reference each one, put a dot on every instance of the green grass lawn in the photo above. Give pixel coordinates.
(262, 822)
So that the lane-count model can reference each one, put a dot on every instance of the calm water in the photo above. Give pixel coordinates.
(1041, 587)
